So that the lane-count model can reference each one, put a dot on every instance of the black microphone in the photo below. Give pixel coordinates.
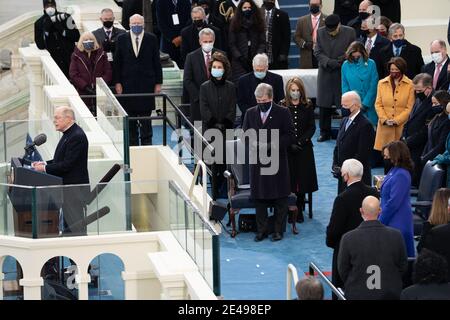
(38, 140)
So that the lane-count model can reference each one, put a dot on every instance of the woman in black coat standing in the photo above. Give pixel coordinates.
(218, 109)
(246, 38)
(438, 128)
(302, 165)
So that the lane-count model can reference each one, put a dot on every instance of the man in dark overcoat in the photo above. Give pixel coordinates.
(269, 180)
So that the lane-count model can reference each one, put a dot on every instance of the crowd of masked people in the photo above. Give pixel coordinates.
(395, 113)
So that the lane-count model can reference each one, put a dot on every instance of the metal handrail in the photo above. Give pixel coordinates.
(202, 165)
(337, 291)
(291, 276)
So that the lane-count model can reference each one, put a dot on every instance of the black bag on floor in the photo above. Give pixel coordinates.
(247, 222)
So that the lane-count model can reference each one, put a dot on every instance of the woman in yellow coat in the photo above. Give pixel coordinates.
(395, 99)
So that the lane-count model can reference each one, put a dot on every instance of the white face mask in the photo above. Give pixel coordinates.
(50, 11)
(207, 47)
(437, 57)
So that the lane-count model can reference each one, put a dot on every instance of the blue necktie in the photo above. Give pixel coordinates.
(348, 123)
(397, 51)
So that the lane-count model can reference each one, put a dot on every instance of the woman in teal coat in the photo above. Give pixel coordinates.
(359, 73)
(444, 159)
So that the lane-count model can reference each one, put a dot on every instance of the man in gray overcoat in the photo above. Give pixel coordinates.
(332, 43)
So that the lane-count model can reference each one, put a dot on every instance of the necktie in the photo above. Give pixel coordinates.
(137, 45)
(108, 35)
(369, 45)
(437, 72)
(397, 51)
(264, 117)
(315, 25)
(207, 61)
(349, 122)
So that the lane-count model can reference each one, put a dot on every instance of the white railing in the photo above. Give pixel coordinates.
(145, 256)
(291, 279)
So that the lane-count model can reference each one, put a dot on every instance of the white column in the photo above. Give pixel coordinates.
(141, 285)
(32, 288)
(83, 281)
(2, 276)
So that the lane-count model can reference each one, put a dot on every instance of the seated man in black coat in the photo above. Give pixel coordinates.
(346, 215)
(415, 131)
(248, 83)
(355, 139)
(399, 47)
(438, 240)
(190, 34)
(372, 258)
(70, 162)
(438, 68)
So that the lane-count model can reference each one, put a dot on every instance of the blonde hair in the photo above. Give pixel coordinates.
(87, 36)
(439, 209)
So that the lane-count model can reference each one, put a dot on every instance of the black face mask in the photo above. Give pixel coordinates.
(198, 23)
(247, 13)
(269, 5)
(108, 24)
(387, 163)
(421, 95)
(365, 33)
(314, 9)
(263, 107)
(363, 15)
(437, 109)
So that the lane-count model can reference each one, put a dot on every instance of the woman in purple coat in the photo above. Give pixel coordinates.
(395, 199)
(89, 62)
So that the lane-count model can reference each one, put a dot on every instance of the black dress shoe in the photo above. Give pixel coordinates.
(260, 236)
(323, 138)
(277, 236)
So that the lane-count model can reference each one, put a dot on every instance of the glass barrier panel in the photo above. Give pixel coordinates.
(16, 210)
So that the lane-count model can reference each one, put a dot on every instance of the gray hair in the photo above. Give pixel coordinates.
(206, 32)
(197, 10)
(424, 78)
(264, 89)
(356, 99)
(261, 59)
(66, 111)
(394, 27)
(441, 43)
(309, 288)
(106, 10)
(353, 168)
(137, 16)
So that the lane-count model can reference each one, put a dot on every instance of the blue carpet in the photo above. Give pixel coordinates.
(251, 270)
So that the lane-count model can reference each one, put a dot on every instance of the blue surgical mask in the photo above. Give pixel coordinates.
(398, 43)
(88, 45)
(137, 29)
(260, 75)
(217, 73)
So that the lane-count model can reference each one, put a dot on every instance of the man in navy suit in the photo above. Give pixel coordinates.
(248, 83)
(415, 131)
(137, 69)
(173, 16)
(355, 139)
(269, 189)
(438, 68)
(70, 162)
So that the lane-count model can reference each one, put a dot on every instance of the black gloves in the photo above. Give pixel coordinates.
(295, 148)
(89, 90)
(308, 45)
(333, 64)
(282, 58)
(336, 171)
(48, 24)
(219, 126)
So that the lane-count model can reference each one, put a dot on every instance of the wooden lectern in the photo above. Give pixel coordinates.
(45, 202)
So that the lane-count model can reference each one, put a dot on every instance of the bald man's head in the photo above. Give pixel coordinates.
(370, 208)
